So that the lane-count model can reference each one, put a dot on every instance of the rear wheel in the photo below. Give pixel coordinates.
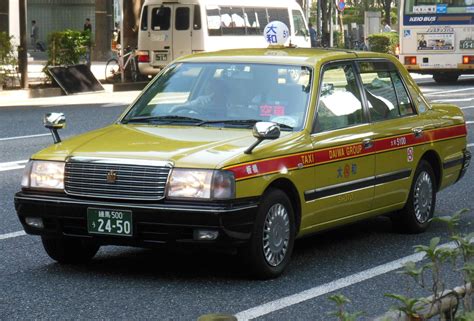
(416, 216)
(273, 236)
(69, 250)
(112, 70)
(445, 77)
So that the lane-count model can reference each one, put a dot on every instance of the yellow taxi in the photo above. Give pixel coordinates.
(248, 149)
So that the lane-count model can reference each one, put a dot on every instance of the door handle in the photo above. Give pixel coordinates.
(367, 143)
(418, 132)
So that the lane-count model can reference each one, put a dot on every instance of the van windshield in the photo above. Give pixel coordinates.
(226, 94)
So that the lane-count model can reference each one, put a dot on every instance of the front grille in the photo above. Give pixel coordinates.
(116, 181)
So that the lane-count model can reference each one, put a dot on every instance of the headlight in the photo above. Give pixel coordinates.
(43, 175)
(201, 184)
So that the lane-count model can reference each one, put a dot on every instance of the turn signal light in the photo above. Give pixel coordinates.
(143, 56)
(410, 60)
(397, 50)
(468, 60)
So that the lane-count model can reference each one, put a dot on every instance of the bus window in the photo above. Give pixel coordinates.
(253, 22)
(197, 17)
(279, 15)
(182, 18)
(298, 21)
(160, 18)
(213, 21)
(232, 21)
(144, 22)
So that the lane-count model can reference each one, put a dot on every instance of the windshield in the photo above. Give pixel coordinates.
(438, 6)
(226, 95)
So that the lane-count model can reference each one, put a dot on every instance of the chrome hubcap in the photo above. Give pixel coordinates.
(276, 234)
(423, 197)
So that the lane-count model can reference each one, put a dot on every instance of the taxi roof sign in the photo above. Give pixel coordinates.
(276, 33)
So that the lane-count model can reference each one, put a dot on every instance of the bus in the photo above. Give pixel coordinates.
(170, 29)
(437, 37)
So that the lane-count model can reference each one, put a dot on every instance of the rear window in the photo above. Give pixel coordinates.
(160, 18)
(144, 19)
(182, 18)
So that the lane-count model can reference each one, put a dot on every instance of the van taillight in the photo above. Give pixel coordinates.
(143, 56)
(468, 60)
(410, 60)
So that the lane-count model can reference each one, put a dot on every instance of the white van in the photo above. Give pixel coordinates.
(173, 28)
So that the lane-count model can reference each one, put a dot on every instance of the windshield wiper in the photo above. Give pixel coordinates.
(169, 118)
(247, 122)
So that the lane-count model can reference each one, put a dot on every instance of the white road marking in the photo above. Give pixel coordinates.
(449, 91)
(317, 291)
(470, 122)
(451, 100)
(8, 166)
(470, 145)
(467, 107)
(11, 235)
(20, 137)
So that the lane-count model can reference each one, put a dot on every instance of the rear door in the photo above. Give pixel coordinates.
(171, 32)
(400, 133)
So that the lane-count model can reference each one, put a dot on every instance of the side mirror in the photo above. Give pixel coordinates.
(262, 131)
(54, 121)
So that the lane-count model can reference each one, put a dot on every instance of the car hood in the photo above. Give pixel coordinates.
(198, 147)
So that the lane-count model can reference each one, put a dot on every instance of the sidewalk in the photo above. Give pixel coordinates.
(37, 61)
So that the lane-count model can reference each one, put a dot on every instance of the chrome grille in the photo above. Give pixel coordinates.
(131, 181)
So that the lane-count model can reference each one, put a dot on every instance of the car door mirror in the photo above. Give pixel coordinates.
(262, 131)
(54, 121)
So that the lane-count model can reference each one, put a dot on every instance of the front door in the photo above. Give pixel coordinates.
(344, 153)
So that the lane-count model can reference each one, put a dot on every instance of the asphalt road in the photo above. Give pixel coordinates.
(137, 284)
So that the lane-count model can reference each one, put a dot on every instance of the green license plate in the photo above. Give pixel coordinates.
(109, 221)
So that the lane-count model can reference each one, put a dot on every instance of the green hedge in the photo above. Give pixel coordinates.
(384, 42)
(67, 47)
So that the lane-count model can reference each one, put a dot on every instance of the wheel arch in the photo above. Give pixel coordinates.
(433, 159)
(291, 191)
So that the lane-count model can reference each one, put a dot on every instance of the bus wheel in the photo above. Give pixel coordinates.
(445, 77)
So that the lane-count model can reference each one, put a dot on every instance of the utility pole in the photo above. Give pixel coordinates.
(23, 48)
(331, 24)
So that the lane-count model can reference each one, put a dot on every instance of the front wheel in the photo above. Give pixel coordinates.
(273, 236)
(69, 250)
(112, 70)
(416, 216)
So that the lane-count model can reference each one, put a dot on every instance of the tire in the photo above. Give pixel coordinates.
(112, 70)
(416, 216)
(70, 250)
(444, 78)
(273, 236)
(134, 75)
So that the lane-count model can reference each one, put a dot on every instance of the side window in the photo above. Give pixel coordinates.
(253, 22)
(144, 22)
(386, 95)
(298, 22)
(232, 21)
(340, 103)
(160, 18)
(280, 15)
(404, 103)
(197, 17)
(182, 18)
(213, 21)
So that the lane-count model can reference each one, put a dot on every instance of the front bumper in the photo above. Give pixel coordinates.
(153, 224)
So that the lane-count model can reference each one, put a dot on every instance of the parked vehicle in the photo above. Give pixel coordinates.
(248, 149)
(169, 30)
(436, 38)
